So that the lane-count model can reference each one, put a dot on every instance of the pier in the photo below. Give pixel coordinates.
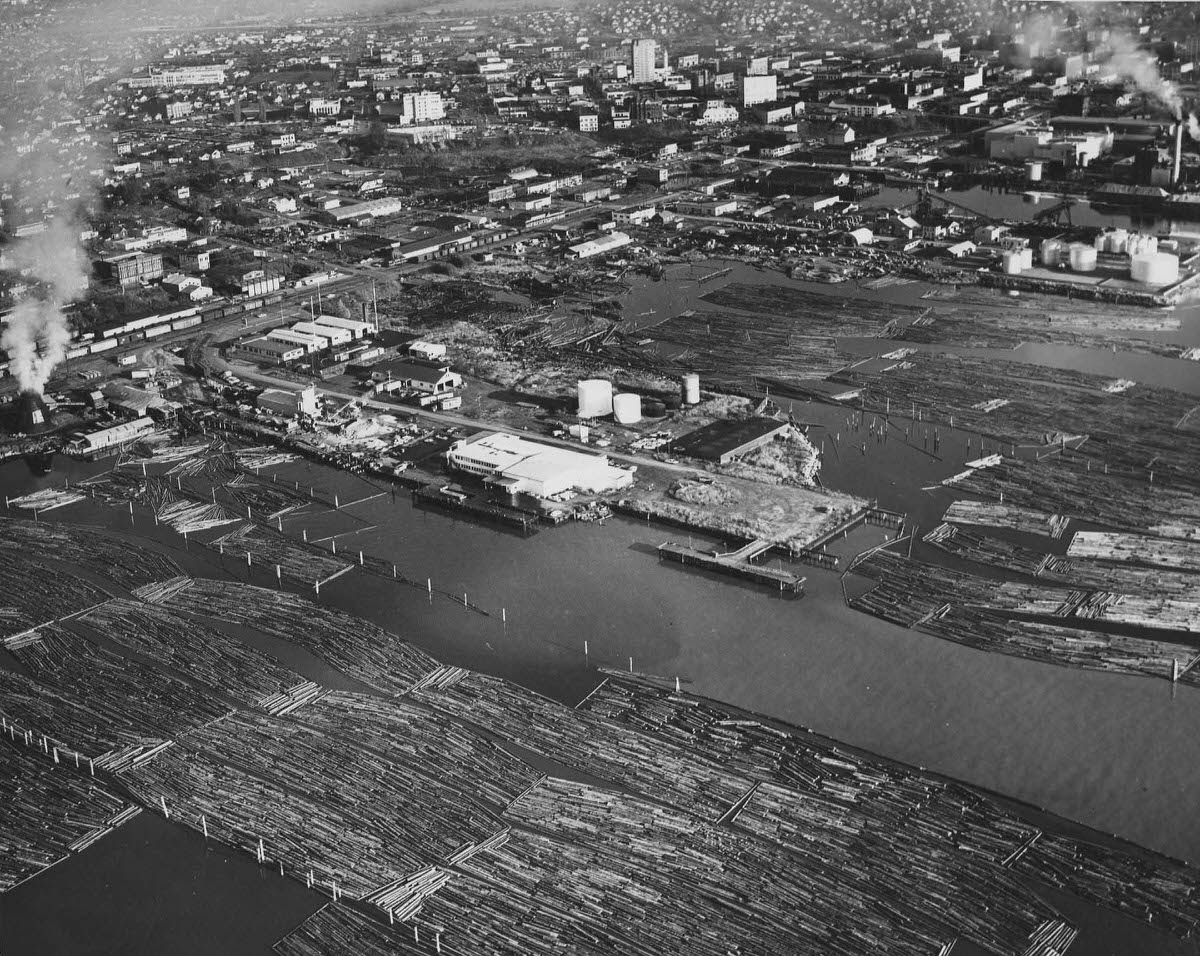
(736, 563)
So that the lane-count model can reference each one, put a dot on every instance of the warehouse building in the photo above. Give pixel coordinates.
(110, 437)
(598, 246)
(262, 348)
(723, 441)
(521, 466)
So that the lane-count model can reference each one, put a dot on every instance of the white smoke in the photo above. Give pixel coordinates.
(1193, 127)
(1136, 65)
(38, 335)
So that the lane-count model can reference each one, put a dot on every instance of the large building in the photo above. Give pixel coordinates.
(133, 268)
(424, 107)
(204, 75)
(753, 90)
(522, 466)
(643, 61)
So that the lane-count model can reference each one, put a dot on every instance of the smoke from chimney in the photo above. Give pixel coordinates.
(37, 334)
(1139, 67)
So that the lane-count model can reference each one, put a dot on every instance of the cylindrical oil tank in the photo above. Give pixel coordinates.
(1154, 268)
(1116, 240)
(1052, 251)
(1100, 243)
(1011, 262)
(690, 391)
(1033, 170)
(595, 398)
(627, 408)
(653, 408)
(1139, 244)
(1026, 258)
(1082, 257)
(1164, 245)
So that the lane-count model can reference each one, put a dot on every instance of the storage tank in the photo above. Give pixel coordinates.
(595, 398)
(627, 408)
(690, 392)
(653, 408)
(1141, 245)
(1011, 262)
(1117, 240)
(1051, 252)
(1026, 258)
(1154, 268)
(1033, 170)
(1082, 257)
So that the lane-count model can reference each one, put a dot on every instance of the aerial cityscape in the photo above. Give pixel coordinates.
(714, 477)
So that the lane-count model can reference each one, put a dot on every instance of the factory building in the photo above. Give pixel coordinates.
(370, 209)
(110, 437)
(753, 90)
(599, 246)
(204, 75)
(289, 404)
(133, 268)
(335, 336)
(267, 349)
(356, 327)
(521, 466)
(306, 340)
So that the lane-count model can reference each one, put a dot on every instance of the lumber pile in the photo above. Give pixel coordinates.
(352, 816)
(49, 810)
(1137, 549)
(1007, 516)
(352, 645)
(91, 700)
(125, 563)
(193, 649)
(586, 741)
(425, 737)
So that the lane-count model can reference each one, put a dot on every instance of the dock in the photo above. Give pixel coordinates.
(736, 563)
(476, 509)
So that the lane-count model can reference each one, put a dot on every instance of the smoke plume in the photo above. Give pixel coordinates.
(1193, 127)
(37, 334)
(1136, 65)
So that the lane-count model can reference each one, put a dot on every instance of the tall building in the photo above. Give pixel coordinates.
(753, 90)
(644, 60)
(421, 107)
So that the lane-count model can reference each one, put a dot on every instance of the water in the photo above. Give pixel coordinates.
(1023, 204)
(1118, 753)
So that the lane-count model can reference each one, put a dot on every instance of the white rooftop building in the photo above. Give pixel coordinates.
(520, 465)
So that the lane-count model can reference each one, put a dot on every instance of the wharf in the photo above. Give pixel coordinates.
(736, 563)
(476, 509)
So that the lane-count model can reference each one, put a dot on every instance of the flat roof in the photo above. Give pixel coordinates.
(726, 437)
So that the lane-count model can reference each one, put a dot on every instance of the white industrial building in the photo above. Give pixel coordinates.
(334, 335)
(356, 327)
(110, 437)
(523, 466)
(289, 404)
(309, 342)
(370, 209)
(598, 246)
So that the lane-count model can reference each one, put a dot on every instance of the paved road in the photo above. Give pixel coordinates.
(459, 421)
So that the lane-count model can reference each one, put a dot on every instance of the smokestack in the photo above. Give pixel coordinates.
(1177, 157)
(33, 417)
(237, 110)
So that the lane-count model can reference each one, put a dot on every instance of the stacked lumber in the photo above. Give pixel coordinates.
(419, 735)
(352, 645)
(92, 700)
(1078, 488)
(32, 593)
(299, 563)
(49, 811)
(1008, 516)
(319, 803)
(126, 563)
(1143, 550)
(588, 742)
(198, 651)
